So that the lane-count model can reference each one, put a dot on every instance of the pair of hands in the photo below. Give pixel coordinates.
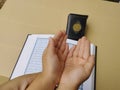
(67, 68)
(71, 67)
(61, 66)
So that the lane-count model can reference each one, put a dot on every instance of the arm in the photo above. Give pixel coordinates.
(53, 60)
(19, 83)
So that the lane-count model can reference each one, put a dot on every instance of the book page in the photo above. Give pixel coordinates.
(35, 61)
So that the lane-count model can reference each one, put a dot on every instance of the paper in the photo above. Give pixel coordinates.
(35, 61)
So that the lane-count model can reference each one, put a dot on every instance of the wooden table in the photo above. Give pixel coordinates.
(21, 17)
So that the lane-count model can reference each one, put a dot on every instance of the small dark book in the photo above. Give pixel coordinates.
(76, 25)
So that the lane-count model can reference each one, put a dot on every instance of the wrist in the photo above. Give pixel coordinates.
(63, 86)
(47, 79)
(42, 82)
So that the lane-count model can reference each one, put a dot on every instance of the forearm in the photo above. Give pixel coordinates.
(9, 85)
(42, 82)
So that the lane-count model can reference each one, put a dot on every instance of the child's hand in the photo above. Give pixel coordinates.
(78, 66)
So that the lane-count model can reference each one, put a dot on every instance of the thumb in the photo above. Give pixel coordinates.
(92, 61)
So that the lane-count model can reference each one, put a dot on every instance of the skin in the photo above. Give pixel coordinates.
(19, 83)
(61, 66)
(53, 59)
(78, 66)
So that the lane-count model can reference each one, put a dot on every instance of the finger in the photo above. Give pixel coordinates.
(65, 53)
(63, 45)
(61, 40)
(70, 54)
(57, 37)
(86, 52)
(77, 49)
(82, 45)
(90, 63)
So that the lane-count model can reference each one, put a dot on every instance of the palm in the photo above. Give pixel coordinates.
(79, 64)
(75, 71)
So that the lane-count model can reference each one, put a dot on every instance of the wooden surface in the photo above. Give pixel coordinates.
(21, 17)
(3, 79)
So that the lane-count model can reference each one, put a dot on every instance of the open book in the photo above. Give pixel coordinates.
(30, 59)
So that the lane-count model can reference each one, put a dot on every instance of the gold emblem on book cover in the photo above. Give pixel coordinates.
(77, 27)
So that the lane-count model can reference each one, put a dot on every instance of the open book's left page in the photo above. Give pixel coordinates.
(30, 59)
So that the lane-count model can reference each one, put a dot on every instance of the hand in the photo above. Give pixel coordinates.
(53, 60)
(78, 66)
(55, 55)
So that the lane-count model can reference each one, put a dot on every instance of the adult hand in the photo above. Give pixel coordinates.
(53, 60)
(55, 55)
(78, 66)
